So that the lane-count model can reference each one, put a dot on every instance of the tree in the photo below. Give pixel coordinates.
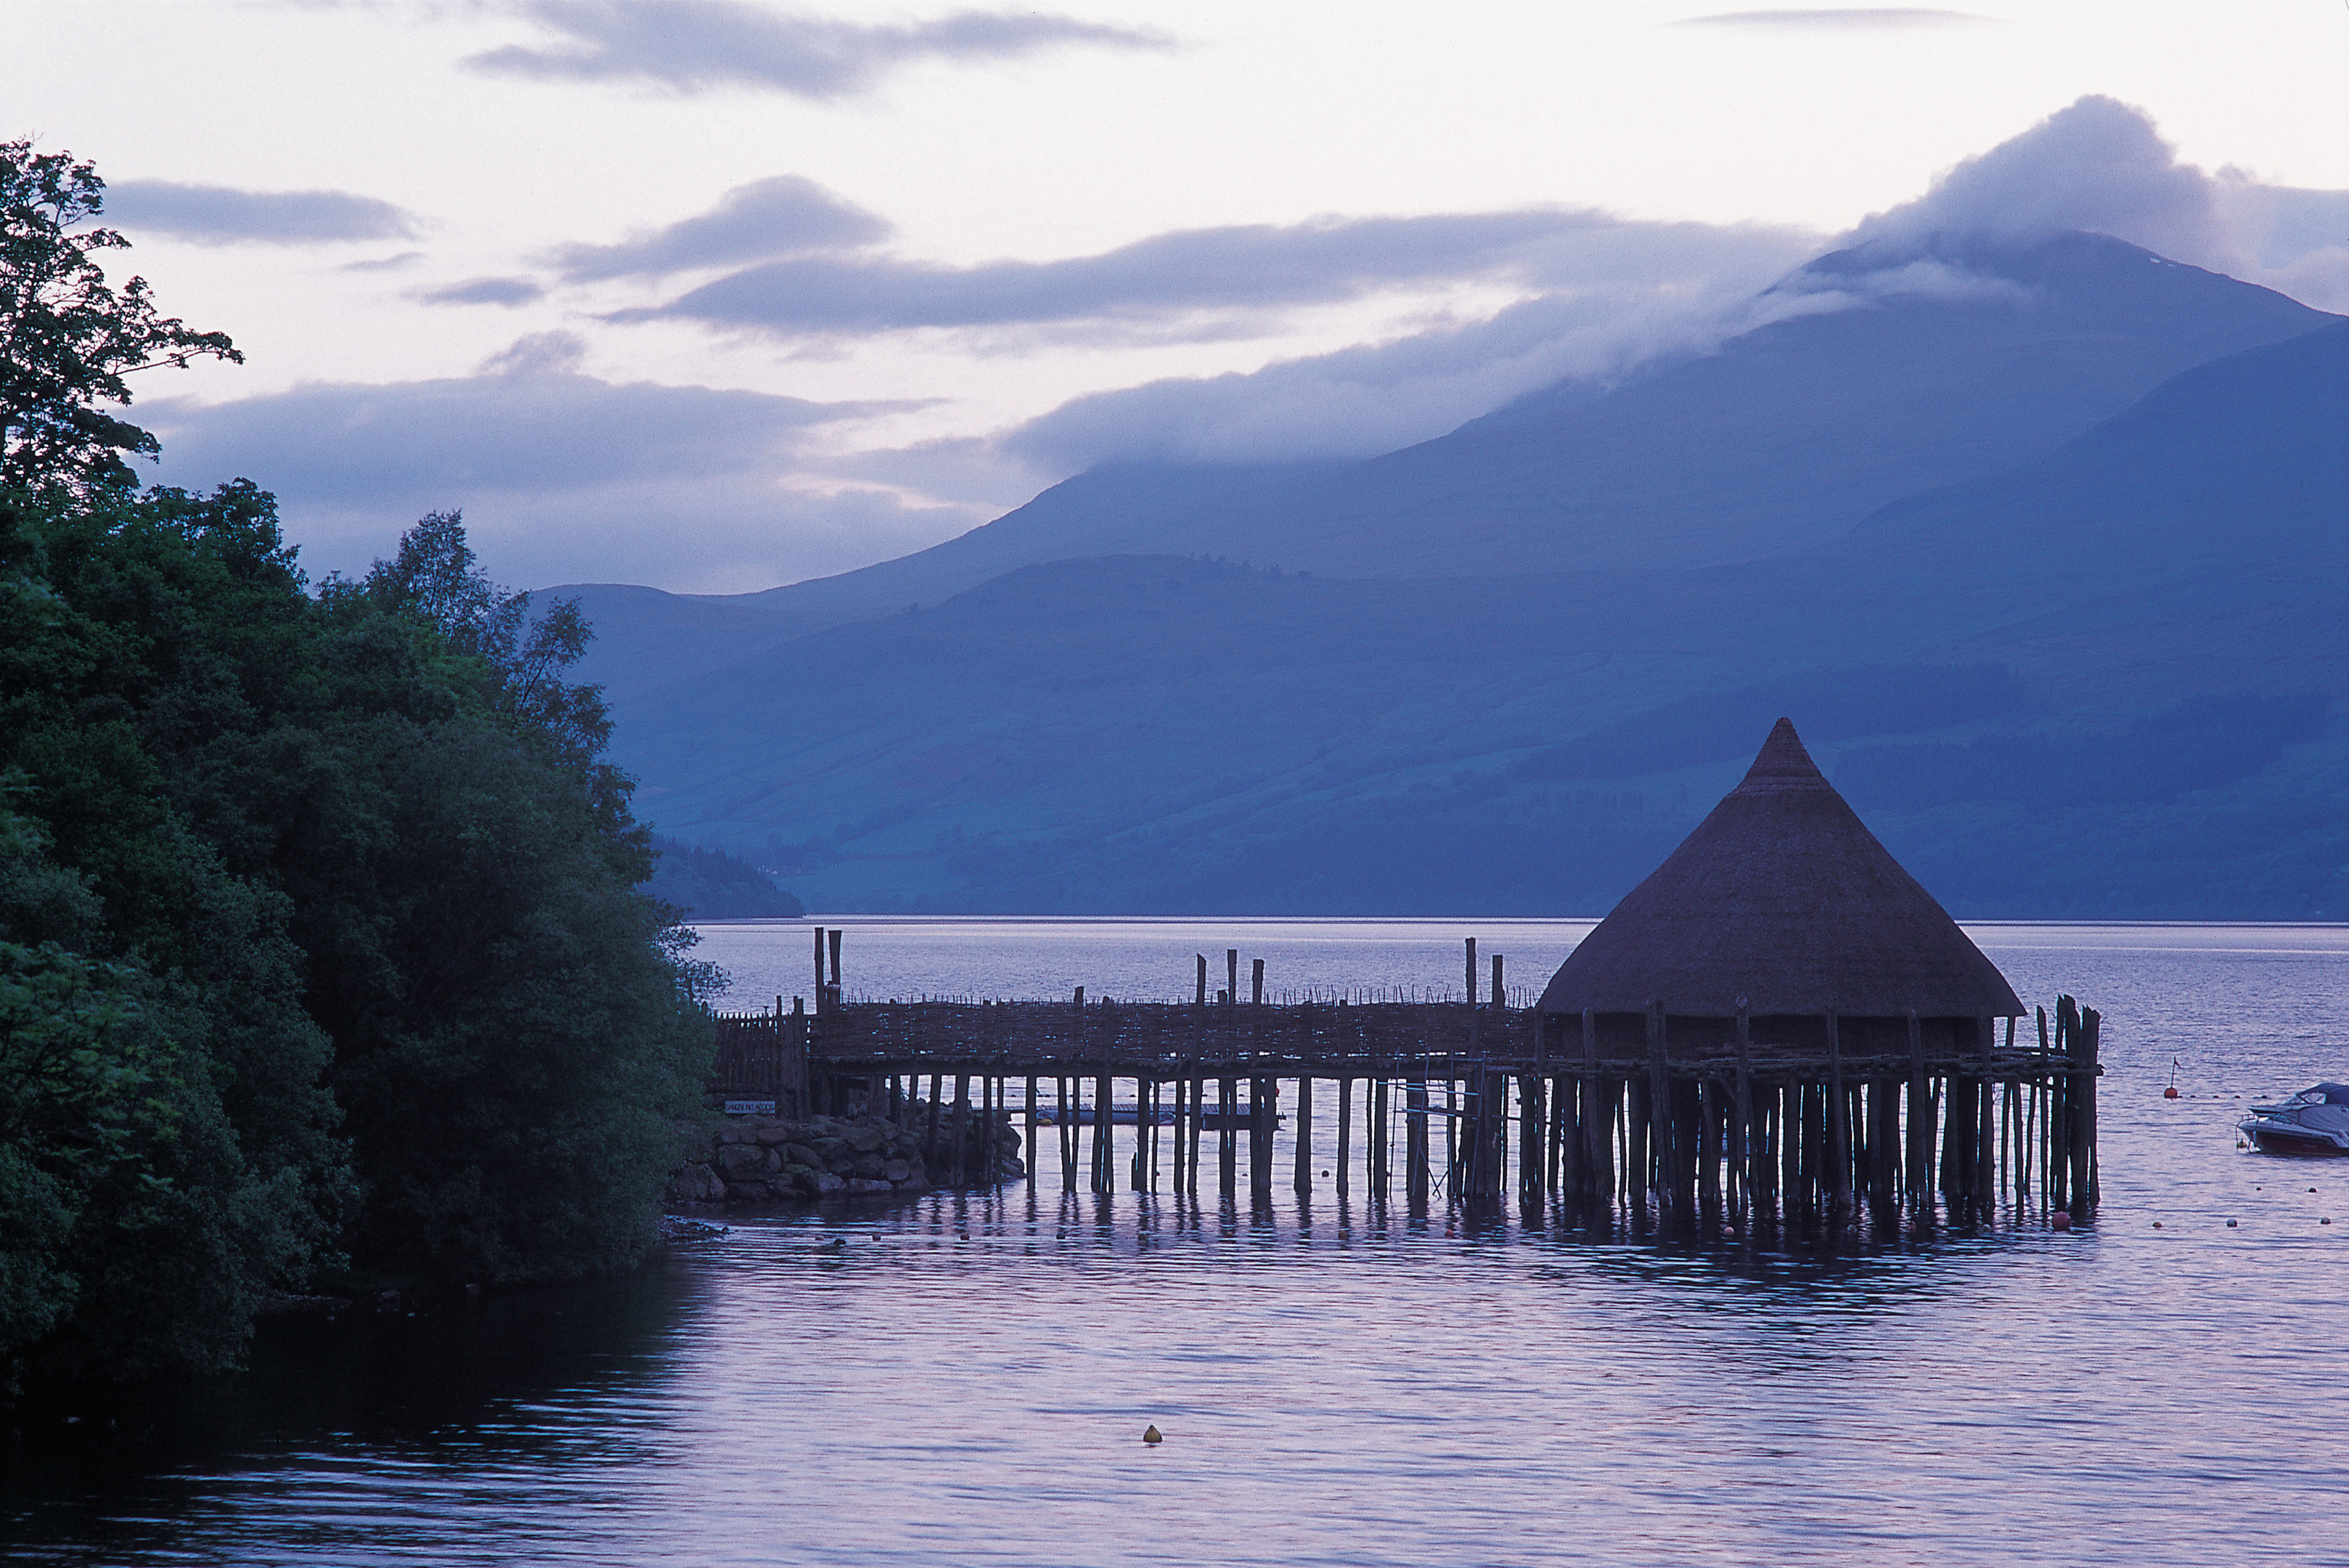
(68, 340)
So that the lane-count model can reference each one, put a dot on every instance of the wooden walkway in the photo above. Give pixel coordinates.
(1719, 1127)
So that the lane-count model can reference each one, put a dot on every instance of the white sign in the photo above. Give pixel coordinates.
(749, 1107)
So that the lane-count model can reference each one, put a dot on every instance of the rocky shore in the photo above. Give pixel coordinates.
(762, 1159)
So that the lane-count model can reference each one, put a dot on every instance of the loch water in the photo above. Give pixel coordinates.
(963, 1378)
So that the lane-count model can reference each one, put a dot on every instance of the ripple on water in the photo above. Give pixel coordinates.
(967, 1379)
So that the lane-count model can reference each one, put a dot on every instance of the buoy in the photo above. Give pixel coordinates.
(2230, 1224)
(1153, 1434)
(2156, 1224)
(2061, 1220)
(2170, 1093)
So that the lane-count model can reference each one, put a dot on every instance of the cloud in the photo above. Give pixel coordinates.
(1376, 398)
(787, 215)
(1865, 19)
(220, 215)
(696, 45)
(2100, 165)
(505, 291)
(384, 264)
(563, 476)
(1188, 284)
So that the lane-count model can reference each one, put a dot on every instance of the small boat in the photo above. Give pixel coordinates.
(2313, 1121)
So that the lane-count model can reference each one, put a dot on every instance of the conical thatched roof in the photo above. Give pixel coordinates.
(1783, 896)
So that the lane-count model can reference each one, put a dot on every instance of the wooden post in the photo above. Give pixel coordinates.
(833, 936)
(1202, 979)
(1660, 1100)
(1471, 1003)
(1035, 1152)
(1345, 1134)
(1261, 1101)
(821, 989)
(1232, 973)
(1741, 1111)
(1377, 1133)
(1105, 1131)
(1533, 1139)
(1920, 1117)
(1839, 1112)
(1226, 1145)
(1414, 1137)
(1255, 994)
(1597, 1116)
(1304, 1139)
(1198, 1126)
(962, 1129)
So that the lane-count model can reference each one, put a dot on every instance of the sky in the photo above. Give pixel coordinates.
(715, 295)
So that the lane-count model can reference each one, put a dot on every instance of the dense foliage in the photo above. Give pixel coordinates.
(712, 885)
(322, 954)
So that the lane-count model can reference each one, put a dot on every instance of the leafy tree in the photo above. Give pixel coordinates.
(321, 946)
(68, 340)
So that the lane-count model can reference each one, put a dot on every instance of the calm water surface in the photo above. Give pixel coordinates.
(965, 1379)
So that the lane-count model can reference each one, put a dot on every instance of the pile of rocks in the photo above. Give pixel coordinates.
(755, 1158)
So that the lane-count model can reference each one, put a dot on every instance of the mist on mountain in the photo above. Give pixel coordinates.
(2043, 542)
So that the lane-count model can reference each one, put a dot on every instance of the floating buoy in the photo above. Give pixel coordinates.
(1153, 1434)
(2170, 1093)
(2156, 1224)
(2230, 1224)
(2061, 1220)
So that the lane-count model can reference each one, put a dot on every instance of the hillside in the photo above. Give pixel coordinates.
(1786, 437)
(2106, 682)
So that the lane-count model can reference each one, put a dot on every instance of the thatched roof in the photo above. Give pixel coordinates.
(1783, 896)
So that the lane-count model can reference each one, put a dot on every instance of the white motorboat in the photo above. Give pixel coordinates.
(2313, 1121)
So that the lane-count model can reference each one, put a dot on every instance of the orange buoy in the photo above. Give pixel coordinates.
(2170, 1093)
(2061, 1220)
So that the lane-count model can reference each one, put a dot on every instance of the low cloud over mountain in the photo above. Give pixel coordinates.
(1454, 315)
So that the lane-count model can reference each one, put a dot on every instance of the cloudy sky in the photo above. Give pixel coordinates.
(715, 294)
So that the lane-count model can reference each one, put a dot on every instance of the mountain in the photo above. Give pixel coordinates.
(2106, 681)
(1939, 366)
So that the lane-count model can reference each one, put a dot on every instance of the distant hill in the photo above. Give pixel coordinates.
(1785, 438)
(2107, 680)
(712, 884)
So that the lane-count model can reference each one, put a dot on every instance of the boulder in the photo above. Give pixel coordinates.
(744, 1162)
(867, 1166)
(896, 1170)
(863, 1187)
(801, 1177)
(829, 1145)
(864, 1139)
(827, 1183)
(801, 1154)
(772, 1136)
(698, 1184)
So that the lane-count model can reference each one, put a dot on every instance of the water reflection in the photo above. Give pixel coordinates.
(963, 1378)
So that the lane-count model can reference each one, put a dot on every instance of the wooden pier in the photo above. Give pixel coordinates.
(1778, 1022)
(1469, 1100)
